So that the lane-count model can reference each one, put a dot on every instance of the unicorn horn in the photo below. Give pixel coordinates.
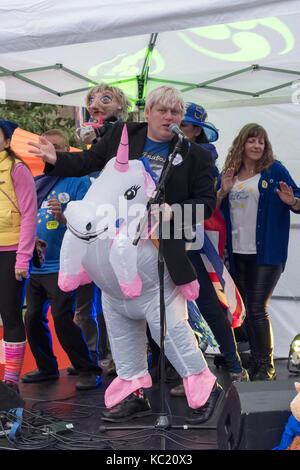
(121, 163)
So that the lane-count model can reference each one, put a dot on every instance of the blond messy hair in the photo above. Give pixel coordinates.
(118, 94)
(235, 155)
(167, 96)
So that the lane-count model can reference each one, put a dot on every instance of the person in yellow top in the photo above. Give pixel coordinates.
(18, 206)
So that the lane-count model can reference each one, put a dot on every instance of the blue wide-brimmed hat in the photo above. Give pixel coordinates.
(8, 127)
(196, 114)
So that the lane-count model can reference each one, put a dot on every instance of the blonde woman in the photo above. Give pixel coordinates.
(256, 194)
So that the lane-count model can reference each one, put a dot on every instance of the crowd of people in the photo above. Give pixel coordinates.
(254, 193)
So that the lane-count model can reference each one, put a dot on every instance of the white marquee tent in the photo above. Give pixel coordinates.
(240, 59)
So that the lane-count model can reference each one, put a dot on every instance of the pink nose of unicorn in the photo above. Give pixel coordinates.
(121, 163)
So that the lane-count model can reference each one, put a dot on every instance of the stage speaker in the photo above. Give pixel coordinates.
(254, 415)
(9, 399)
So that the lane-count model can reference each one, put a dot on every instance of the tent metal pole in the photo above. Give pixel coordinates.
(142, 78)
(221, 77)
(125, 80)
(36, 69)
(39, 69)
(31, 82)
(192, 86)
(271, 69)
(78, 75)
(17, 74)
(71, 92)
(278, 87)
(228, 90)
(172, 82)
(254, 67)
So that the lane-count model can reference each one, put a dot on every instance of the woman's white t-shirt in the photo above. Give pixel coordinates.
(243, 203)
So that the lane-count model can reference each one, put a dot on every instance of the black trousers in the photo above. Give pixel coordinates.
(42, 291)
(86, 317)
(256, 284)
(11, 299)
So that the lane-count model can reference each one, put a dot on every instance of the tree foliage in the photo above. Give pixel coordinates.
(38, 118)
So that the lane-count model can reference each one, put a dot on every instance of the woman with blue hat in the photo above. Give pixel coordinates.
(18, 209)
(198, 130)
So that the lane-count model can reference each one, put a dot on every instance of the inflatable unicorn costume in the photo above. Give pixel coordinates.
(96, 250)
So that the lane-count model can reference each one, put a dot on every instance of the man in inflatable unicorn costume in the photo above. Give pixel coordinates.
(128, 274)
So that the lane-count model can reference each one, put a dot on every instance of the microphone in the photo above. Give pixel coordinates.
(174, 129)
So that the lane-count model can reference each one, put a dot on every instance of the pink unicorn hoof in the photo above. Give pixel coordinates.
(120, 389)
(84, 278)
(190, 291)
(198, 388)
(70, 282)
(134, 289)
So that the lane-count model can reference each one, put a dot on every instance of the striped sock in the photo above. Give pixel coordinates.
(139, 393)
(14, 356)
(2, 357)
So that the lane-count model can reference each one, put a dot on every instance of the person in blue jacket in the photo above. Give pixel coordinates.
(256, 194)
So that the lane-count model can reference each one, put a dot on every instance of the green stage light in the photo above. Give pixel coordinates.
(294, 356)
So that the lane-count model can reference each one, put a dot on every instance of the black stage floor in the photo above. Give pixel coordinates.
(51, 402)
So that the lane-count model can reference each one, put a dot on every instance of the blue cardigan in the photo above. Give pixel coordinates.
(273, 217)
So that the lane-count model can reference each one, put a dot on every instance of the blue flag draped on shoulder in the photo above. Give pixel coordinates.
(214, 236)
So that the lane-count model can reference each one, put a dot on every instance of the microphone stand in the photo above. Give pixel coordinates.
(159, 198)
(163, 422)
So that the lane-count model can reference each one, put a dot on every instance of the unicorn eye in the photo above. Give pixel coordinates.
(131, 192)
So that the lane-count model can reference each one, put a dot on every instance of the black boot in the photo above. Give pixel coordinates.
(252, 367)
(130, 407)
(262, 367)
(202, 414)
(265, 370)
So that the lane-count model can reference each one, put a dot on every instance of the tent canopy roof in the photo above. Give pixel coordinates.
(215, 52)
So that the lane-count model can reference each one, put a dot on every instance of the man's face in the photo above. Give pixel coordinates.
(103, 103)
(159, 118)
(58, 142)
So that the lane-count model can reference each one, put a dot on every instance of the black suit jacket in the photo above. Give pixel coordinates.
(188, 184)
